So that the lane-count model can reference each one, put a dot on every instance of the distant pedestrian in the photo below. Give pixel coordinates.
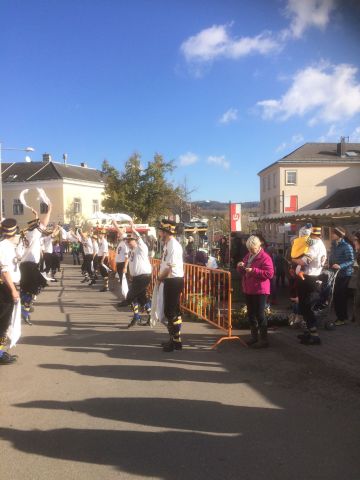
(341, 258)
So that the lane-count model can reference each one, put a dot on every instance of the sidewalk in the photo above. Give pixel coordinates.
(90, 399)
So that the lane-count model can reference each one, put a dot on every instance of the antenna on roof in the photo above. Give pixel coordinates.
(65, 157)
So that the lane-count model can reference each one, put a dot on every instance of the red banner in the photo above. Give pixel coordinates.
(235, 217)
(291, 203)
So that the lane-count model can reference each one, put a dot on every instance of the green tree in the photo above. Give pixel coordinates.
(146, 194)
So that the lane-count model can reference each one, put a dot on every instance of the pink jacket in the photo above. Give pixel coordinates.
(257, 282)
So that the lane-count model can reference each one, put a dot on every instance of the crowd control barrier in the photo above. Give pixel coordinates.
(207, 294)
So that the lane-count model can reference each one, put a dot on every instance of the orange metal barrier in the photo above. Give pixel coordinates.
(207, 294)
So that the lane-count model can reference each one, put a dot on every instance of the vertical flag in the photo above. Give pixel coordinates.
(235, 217)
(290, 203)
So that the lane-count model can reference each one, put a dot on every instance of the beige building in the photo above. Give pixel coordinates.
(76, 192)
(303, 180)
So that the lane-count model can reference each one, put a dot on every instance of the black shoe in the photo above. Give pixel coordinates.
(133, 322)
(171, 346)
(86, 279)
(105, 289)
(7, 359)
(93, 281)
(251, 341)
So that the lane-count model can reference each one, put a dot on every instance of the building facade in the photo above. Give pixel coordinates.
(76, 192)
(303, 180)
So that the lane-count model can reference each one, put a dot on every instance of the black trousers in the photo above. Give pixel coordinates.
(172, 292)
(341, 297)
(305, 289)
(48, 262)
(6, 309)
(119, 269)
(86, 267)
(138, 290)
(255, 305)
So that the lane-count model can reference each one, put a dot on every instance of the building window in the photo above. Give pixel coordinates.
(18, 207)
(43, 208)
(269, 205)
(263, 183)
(264, 206)
(95, 206)
(274, 180)
(290, 177)
(77, 205)
(268, 182)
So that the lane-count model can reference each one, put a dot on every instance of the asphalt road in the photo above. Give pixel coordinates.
(90, 399)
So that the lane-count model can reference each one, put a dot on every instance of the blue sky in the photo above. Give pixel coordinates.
(223, 88)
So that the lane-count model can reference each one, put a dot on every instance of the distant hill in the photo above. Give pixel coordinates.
(212, 205)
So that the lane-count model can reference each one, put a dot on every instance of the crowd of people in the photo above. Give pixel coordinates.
(24, 253)
(30, 258)
(316, 279)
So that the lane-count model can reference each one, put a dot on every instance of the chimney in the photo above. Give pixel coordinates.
(82, 164)
(46, 158)
(340, 150)
(65, 157)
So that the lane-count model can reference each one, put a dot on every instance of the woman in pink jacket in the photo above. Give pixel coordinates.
(257, 270)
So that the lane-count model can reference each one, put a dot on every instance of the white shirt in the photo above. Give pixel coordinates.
(122, 252)
(95, 246)
(88, 246)
(32, 246)
(172, 257)
(317, 254)
(8, 260)
(47, 243)
(139, 263)
(103, 247)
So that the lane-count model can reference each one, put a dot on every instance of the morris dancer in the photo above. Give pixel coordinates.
(140, 272)
(95, 243)
(86, 267)
(9, 277)
(122, 253)
(31, 279)
(103, 256)
(172, 274)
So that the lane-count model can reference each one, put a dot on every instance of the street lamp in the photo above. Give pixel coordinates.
(26, 149)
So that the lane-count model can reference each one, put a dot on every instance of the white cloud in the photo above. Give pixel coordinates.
(230, 115)
(328, 92)
(215, 42)
(219, 161)
(188, 158)
(305, 14)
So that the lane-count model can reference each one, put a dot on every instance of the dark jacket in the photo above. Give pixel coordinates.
(342, 253)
